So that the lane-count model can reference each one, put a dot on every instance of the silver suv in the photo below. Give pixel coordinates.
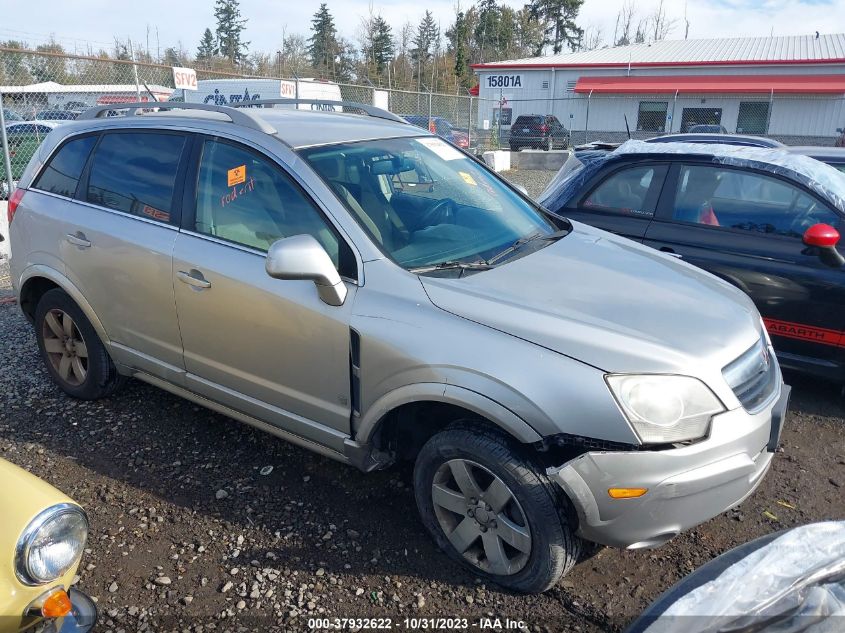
(357, 286)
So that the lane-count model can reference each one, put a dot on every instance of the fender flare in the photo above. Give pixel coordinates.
(39, 270)
(468, 399)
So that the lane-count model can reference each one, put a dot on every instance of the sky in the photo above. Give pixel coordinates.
(77, 23)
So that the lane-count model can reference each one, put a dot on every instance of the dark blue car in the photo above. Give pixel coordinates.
(765, 220)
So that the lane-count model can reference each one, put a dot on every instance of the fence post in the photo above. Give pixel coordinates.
(7, 163)
(769, 113)
(587, 119)
(672, 122)
(469, 128)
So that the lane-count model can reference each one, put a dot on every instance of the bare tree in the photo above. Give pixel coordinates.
(660, 25)
(592, 38)
(622, 35)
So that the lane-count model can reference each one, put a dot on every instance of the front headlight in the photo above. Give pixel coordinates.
(665, 409)
(51, 544)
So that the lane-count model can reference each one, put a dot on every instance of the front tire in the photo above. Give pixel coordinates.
(70, 348)
(493, 510)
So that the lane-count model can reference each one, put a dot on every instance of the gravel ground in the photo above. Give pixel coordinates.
(191, 530)
(534, 180)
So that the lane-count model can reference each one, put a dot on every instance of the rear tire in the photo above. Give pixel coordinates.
(71, 350)
(499, 516)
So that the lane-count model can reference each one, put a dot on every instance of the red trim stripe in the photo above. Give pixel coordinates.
(733, 62)
(667, 84)
(802, 332)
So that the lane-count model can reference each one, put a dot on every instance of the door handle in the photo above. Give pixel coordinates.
(78, 239)
(193, 278)
(669, 251)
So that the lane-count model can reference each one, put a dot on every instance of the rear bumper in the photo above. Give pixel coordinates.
(686, 486)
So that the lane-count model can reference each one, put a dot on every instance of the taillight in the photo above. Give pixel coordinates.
(544, 128)
(14, 201)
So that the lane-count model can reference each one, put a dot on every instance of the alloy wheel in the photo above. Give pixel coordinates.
(65, 347)
(481, 517)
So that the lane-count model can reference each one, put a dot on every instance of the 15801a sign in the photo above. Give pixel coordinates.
(504, 81)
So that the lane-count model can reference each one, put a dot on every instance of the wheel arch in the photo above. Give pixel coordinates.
(398, 413)
(38, 279)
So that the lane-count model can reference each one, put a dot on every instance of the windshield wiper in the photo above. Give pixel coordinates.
(450, 265)
(525, 240)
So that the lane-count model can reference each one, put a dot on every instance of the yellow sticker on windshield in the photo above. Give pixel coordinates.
(237, 175)
(468, 179)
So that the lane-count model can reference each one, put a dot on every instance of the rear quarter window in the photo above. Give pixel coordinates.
(61, 175)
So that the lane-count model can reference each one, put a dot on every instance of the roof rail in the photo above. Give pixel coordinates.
(370, 110)
(238, 117)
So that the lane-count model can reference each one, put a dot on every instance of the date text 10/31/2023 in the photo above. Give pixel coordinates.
(417, 624)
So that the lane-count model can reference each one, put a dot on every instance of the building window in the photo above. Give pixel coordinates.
(753, 117)
(652, 116)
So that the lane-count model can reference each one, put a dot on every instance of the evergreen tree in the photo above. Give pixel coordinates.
(230, 27)
(487, 29)
(560, 16)
(323, 46)
(426, 40)
(458, 34)
(172, 57)
(206, 50)
(383, 47)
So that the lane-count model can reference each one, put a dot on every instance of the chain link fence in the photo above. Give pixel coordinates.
(789, 119)
(40, 91)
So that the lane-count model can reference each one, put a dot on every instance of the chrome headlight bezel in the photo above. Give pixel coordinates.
(24, 546)
(695, 401)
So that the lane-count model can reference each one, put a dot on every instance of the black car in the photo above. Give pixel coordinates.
(762, 219)
(538, 131)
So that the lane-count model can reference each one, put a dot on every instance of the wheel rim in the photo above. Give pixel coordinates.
(481, 517)
(65, 347)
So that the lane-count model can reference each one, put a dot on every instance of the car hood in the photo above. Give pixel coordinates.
(608, 302)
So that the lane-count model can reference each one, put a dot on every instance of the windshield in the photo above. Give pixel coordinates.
(426, 203)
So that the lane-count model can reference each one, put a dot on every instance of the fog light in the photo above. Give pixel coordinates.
(626, 493)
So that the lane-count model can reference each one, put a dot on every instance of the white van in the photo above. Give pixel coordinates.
(228, 91)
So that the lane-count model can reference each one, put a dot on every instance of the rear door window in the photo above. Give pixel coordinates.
(61, 175)
(745, 200)
(135, 172)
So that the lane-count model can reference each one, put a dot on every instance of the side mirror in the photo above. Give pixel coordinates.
(301, 257)
(825, 238)
(841, 130)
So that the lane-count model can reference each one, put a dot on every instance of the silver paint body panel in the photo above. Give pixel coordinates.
(525, 345)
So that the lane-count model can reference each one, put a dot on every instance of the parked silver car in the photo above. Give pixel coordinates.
(362, 288)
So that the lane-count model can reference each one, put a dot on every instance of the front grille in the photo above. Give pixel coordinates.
(753, 375)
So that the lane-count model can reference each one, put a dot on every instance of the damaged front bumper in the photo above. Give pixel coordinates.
(685, 486)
